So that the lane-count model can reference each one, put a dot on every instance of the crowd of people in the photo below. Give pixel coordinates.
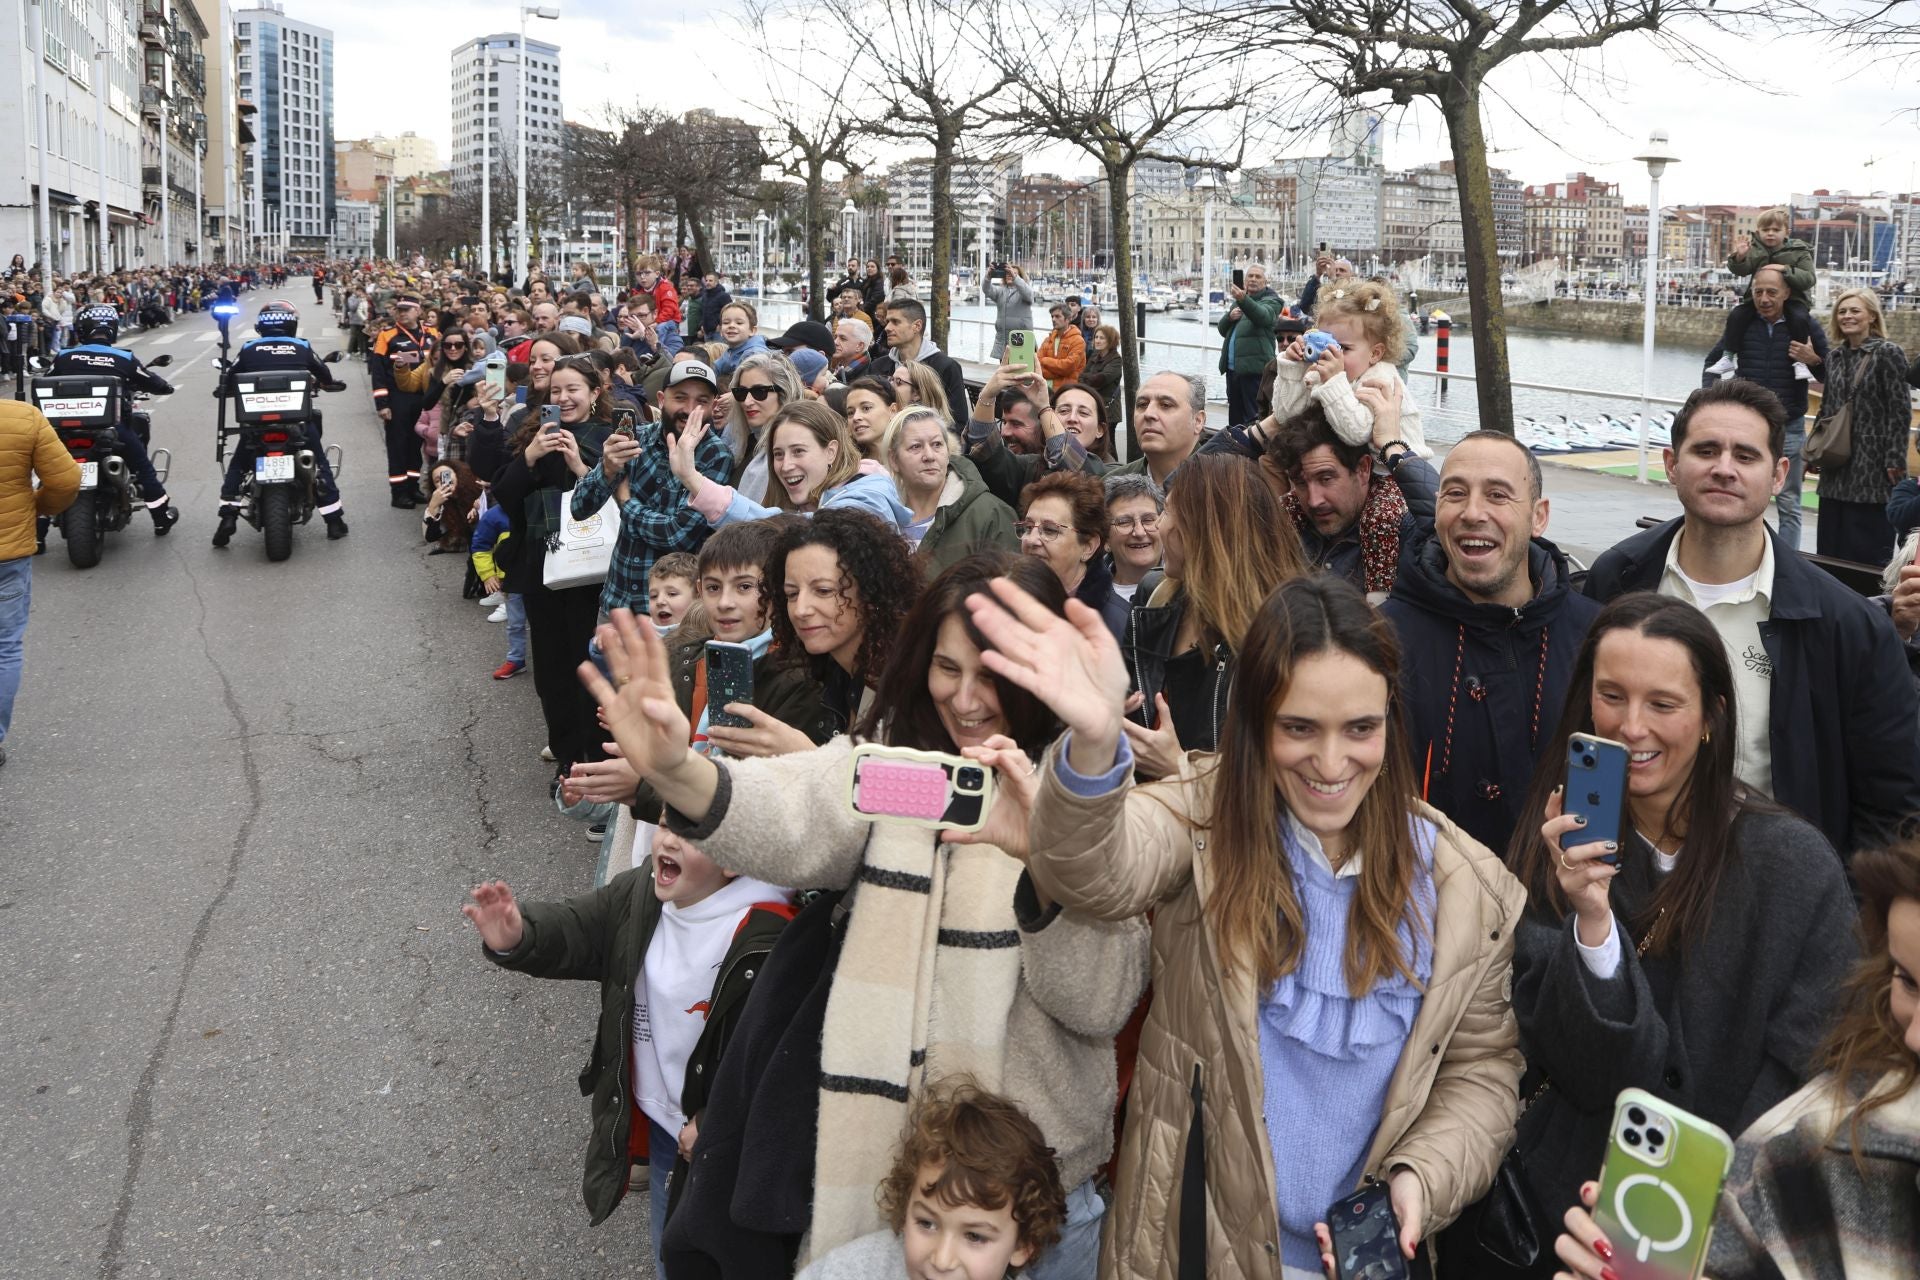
(1279, 892)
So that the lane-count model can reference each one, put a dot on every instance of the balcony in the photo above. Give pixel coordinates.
(150, 99)
(153, 26)
(150, 183)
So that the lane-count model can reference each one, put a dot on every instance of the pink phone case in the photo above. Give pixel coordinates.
(900, 789)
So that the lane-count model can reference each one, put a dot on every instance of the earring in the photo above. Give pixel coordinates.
(1706, 737)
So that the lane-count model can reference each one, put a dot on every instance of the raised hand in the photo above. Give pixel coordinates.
(495, 914)
(1016, 783)
(1584, 879)
(638, 704)
(684, 448)
(1072, 664)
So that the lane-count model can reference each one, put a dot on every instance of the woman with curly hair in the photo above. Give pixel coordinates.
(449, 517)
(946, 963)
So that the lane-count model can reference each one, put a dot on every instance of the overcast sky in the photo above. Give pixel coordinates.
(1846, 125)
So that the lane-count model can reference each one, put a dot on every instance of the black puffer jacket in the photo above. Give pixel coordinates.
(1483, 684)
(1152, 630)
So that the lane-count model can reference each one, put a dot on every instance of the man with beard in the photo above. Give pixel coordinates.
(1489, 630)
(655, 516)
(1825, 704)
(1014, 437)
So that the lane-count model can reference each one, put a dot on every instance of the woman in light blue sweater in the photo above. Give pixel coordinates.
(813, 464)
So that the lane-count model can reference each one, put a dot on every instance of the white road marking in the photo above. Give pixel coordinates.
(209, 337)
(165, 338)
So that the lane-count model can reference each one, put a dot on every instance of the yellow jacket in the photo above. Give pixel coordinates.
(28, 447)
(483, 560)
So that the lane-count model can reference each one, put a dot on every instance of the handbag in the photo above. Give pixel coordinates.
(1510, 1225)
(1830, 443)
(582, 551)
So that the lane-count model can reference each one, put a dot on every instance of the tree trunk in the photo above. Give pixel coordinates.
(816, 199)
(691, 218)
(1118, 168)
(939, 299)
(1479, 232)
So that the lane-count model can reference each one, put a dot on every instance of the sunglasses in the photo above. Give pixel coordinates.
(454, 346)
(755, 393)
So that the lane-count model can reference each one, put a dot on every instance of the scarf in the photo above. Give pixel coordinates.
(930, 966)
(1378, 530)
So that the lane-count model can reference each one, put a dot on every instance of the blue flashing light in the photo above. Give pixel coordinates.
(226, 309)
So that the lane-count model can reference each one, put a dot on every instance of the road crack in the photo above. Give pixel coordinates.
(140, 1109)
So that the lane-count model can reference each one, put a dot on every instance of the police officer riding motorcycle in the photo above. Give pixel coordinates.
(278, 348)
(97, 326)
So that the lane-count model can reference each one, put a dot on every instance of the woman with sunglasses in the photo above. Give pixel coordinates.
(447, 399)
(1063, 521)
(953, 514)
(545, 462)
(765, 382)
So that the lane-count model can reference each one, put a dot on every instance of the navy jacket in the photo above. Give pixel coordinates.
(1903, 508)
(1483, 684)
(1764, 359)
(1845, 718)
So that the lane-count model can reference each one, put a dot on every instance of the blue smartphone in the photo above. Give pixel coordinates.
(1596, 789)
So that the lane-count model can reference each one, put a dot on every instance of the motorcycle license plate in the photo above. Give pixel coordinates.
(89, 475)
(273, 469)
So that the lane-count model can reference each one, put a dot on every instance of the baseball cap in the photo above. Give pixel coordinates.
(692, 370)
(806, 333)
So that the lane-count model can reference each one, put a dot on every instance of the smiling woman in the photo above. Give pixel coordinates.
(1296, 874)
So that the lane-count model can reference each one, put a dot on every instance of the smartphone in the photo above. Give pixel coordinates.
(1596, 789)
(919, 788)
(1239, 278)
(623, 423)
(550, 418)
(1023, 348)
(496, 375)
(729, 679)
(1659, 1186)
(1366, 1236)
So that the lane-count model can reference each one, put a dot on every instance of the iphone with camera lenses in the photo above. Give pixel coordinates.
(1023, 348)
(550, 418)
(920, 788)
(1658, 1188)
(1366, 1236)
(1596, 789)
(729, 680)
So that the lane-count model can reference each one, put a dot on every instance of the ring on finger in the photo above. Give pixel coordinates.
(1565, 863)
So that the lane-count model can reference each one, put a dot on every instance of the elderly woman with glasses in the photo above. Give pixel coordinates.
(1063, 521)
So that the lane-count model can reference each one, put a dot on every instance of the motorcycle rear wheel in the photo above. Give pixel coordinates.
(276, 519)
(80, 527)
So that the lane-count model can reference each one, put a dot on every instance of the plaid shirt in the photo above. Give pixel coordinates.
(655, 519)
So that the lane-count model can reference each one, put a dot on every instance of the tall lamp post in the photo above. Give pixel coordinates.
(985, 205)
(199, 173)
(760, 221)
(1205, 184)
(44, 241)
(846, 234)
(520, 109)
(101, 66)
(1657, 158)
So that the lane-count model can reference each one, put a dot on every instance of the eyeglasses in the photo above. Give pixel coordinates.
(760, 392)
(1127, 524)
(1048, 531)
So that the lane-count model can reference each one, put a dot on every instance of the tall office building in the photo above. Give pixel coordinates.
(486, 83)
(286, 70)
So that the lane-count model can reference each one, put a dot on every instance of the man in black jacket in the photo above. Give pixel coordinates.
(1828, 719)
(907, 340)
(1489, 629)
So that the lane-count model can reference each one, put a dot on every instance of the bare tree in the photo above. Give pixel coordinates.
(815, 123)
(933, 94)
(693, 165)
(1394, 51)
(1108, 83)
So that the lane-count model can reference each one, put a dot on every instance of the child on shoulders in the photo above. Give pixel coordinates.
(1364, 318)
(1795, 259)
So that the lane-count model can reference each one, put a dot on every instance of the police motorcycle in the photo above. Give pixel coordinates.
(275, 419)
(85, 412)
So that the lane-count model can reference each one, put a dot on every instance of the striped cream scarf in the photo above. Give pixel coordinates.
(924, 984)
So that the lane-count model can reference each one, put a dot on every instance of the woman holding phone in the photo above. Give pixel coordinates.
(555, 446)
(1331, 955)
(1695, 956)
(1824, 1184)
(947, 965)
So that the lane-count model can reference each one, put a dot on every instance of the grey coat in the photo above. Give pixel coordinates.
(1013, 303)
(1873, 379)
(1726, 1027)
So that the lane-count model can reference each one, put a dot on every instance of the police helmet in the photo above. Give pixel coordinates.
(277, 320)
(99, 322)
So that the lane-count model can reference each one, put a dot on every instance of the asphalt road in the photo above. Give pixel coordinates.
(247, 1033)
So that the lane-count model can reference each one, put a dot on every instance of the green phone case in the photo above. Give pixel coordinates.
(1659, 1188)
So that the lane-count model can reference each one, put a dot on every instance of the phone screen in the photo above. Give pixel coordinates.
(623, 423)
(1239, 278)
(1366, 1236)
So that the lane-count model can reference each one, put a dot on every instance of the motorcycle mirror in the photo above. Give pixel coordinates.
(332, 357)
(160, 361)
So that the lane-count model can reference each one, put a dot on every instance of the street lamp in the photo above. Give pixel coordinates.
(1656, 159)
(760, 222)
(42, 242)
(487, 125)
(199, 211)
(847, 212)
(520, 109)
(985, 205)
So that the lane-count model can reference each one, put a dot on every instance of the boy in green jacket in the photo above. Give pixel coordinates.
(653, 938)
(1795, 259)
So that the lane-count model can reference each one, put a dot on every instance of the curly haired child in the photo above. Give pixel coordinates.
(973, 1191)
(1364, 317)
